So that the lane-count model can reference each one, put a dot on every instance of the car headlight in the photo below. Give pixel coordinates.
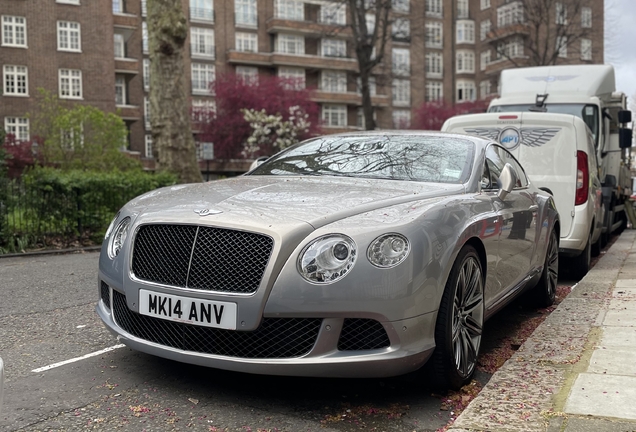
(118, 238)
(388, 250)
(327, 259)
(111, 226)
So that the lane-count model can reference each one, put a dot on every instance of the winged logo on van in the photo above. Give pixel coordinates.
(529, 136)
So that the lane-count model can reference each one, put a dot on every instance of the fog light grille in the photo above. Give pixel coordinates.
(105, 294)
(362, 334)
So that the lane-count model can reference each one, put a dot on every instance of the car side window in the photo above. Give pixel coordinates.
(506, 157)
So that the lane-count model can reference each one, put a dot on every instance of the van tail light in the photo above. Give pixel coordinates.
(582, 178)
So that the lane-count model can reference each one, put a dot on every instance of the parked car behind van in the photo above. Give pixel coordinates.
(558, 154)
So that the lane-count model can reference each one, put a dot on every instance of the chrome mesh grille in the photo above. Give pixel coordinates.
(200, 257)
(362, 334)
(275, 338)
(105, 293)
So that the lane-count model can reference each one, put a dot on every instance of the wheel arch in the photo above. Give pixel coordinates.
(476, 243)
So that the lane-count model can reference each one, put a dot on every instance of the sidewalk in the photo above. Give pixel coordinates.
(577, 372)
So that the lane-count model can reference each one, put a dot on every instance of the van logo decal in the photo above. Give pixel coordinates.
(511, 137)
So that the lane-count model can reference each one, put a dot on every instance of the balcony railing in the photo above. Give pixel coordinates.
(207, 51)
(245, 20)
(201, 14)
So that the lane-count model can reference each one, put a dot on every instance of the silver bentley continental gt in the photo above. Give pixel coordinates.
(352, 255)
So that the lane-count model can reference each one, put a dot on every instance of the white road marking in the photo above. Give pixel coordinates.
(73, 360)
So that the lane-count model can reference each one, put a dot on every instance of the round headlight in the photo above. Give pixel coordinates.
(118, 238)
(388, 250)
(111, 226)
(327, 259)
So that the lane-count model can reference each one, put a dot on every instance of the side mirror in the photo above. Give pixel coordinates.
(625, 138)
(258, 161)
(624, 116)
(507, 181)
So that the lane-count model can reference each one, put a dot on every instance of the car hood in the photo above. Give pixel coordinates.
(280, 200)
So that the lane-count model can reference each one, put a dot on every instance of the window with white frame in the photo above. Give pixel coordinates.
(333, 13)
(465, 91)
(120, 90)
(333, 81)
(462, 9)
(586, 49)
(202, 10)
(508, 14)
(484, 89)
(510, 49)
(68, 36)
(290, 44)
(484, 4)
(203, 110)
(586, 17)
(434, 8)
(202, 77)
(334, 115)
(434, 64)
(401, 119)
(465, 61)
(245, 11)
(401, 64)
(333, 47)
(118, 6)
(248, 74)
(74, 2)
(202, 42)
(144, 8)
(18, 127)
(14, 32)
(484, 60)
(401, 5)
(70, 83)
(246, 42)
(561, 14)
(484, 29)
(401, 92)
(434, 32)
(465, 31)
(373, 87)
(16, 80)
(147, 113)
(370, 20)
(290, 9)
(146, 74)
(401, 29)
(434, 91)
(293, 78)
(144, 37)
(562, 46)
(148, 145)
(120, 45)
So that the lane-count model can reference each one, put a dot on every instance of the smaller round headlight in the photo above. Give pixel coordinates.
(118, 238)
(388, 250)
(327, 259)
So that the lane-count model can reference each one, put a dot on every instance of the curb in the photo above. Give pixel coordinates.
(52, 252)
(529, 391)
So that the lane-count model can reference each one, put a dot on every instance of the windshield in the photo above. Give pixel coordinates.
(589, 113)
(392, 157)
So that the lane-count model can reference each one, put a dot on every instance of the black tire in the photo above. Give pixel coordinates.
(596, 247)
(581, 263)
(545, 291)
(460, 322)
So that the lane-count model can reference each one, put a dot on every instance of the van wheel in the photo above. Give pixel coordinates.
(581, 263)
(596, 247)
(545, 291)
(460, 323)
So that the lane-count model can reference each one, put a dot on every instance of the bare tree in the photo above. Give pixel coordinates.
(552, 28)
(170, 119)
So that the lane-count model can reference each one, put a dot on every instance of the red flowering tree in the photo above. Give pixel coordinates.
(19, 154)
(432, 115)
(229, 130)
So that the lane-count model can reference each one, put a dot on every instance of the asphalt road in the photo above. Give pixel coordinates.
(47, 316)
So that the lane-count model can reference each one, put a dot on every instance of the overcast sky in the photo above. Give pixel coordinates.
(620, 43)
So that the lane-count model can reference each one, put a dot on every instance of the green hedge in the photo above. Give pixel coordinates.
(68, 206)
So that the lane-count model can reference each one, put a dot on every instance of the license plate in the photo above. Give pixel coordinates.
(188, 310)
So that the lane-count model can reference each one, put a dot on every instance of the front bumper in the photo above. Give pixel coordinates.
(411, 342)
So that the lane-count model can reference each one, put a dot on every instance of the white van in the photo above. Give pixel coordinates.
(558, 154)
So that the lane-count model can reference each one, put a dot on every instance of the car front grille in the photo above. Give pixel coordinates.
(105, 293)
(274, 338)
(362, 334)
(199, 257)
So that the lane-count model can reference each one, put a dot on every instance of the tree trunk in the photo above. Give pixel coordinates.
(367, 106)
(169, 111)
